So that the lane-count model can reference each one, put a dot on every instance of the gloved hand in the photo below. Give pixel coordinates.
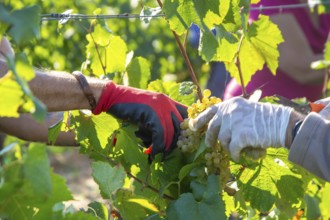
(240, 123)
(157, 116)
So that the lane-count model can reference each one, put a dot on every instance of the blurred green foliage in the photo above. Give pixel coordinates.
(62, 47)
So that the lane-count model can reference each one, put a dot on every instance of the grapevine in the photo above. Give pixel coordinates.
(216, 159)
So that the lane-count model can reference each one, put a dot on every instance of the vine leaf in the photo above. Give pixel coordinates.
(111, 51)
(325, 201)
(180, 15)
(125, 207)
(99, 210)
(127, 148)
(21, 29)
(11, 97)
(108, 178)
(36, 169)
(172, 89)
(16, 92)
(139, 73)
(258, 47)
(93, 131)
(273, 178)
(23, 202)
(166, 171)
(210, 206)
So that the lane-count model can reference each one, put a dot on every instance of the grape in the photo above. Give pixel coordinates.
(216, 159)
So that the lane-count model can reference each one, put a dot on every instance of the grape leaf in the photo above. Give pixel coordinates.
(23, 72)
(11, 96)
(36, 169)
(209, 11)
(172, 90)
(139, 73)
(312, 207)
(257, 49)
(325, 201)
(222, 47)
(273, 177)
(128, 149)
(185, 170)
(21, 30)
(61, 125)
(125, 207)
(144, 203)
(99, 210)
(24, 203)
(109, 55)
(93, 131)
(164, 172)
(108, 178)
(59, 193)
(209, 207)
(80, 216)
(12, 177)
(180, 15)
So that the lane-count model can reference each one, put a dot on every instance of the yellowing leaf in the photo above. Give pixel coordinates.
(145, 203)
(258, 48)
(110, 54)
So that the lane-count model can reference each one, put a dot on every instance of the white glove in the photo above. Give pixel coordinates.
(240, 123)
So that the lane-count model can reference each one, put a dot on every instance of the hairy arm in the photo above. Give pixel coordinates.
(27, 128)
(296, 54)
(59, 91)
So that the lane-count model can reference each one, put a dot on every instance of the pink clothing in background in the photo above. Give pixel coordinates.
(282, 84)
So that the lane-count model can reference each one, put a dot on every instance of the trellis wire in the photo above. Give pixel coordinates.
(65, 16)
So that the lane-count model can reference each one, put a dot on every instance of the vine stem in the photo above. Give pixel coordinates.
(238, 65)
(145, 184)
(186, 58)
(98, 54)
(88, 30)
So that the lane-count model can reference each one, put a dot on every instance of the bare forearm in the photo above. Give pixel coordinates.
(61, 91)
(26, 128)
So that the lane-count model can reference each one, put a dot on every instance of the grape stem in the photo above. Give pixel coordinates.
(104, 67)
(186, 58)
(238, 65)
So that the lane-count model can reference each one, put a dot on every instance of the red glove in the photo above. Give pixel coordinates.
(157, 116)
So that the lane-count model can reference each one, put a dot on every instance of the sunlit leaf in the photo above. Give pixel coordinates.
(23, 24)
(108, 178)
(138, 72)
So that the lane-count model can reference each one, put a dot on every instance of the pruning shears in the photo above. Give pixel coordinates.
(302, 108)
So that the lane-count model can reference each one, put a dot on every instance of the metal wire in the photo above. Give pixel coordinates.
(65, 16)
(55, 16)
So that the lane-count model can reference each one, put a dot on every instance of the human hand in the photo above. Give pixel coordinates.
(238, 123)
(157, 116)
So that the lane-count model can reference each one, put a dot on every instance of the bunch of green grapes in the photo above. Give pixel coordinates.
(216, 159)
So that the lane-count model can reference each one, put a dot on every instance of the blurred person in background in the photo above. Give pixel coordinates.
(305, 33)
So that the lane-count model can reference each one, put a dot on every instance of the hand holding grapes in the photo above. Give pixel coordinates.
(239, 123)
